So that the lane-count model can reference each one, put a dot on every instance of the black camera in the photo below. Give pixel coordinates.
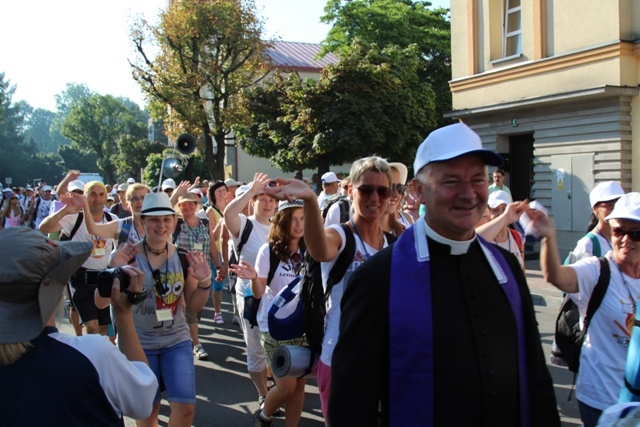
(105, 281)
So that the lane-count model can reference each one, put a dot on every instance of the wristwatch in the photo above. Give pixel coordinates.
(136, 298)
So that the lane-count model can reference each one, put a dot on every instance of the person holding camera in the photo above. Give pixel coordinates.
(55, 379)
(174, 279)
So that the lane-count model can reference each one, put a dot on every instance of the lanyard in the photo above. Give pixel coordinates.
(193, 233)
(364, 246)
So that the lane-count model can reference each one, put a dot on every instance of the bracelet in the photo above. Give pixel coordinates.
(204, 289)
(205, 279)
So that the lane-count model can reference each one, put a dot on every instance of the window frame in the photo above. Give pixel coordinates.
(508, 35)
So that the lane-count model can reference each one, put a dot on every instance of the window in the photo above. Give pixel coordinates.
(512, 29)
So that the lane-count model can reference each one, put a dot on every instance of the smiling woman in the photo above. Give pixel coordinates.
(602, 361)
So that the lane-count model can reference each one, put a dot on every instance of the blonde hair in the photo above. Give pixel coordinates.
(11, 353)
(373, 163)
(7, 207)
(134, 187)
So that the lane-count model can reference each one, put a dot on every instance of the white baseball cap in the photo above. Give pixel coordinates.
(450, 142)
(131, 181)
(604, 192)
(498, 198)
(75, 186)
(168, 183)
(329, 178)
(402, 169)
(627, 207)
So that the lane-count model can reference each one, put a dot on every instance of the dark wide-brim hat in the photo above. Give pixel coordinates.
(33, 274)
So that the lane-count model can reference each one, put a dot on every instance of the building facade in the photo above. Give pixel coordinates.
(553, 85)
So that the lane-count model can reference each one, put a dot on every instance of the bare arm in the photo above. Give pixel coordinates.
(51, 223)
(561, 276)
(235, 207)
(108, 230)
(323, 245)
(512, 213)
(72, 175)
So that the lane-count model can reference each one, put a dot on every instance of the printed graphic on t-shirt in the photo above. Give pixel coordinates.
(172, 288)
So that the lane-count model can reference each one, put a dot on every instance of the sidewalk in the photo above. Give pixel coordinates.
(540, 289)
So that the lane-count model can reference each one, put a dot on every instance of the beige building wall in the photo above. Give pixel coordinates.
(571, 92)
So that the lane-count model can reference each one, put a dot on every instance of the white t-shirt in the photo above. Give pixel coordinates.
(43, 210)
(285, 273)
(250, 250)
(584, 247)
(604, 352)
(101, 247)
(512, 246)
(332, 321)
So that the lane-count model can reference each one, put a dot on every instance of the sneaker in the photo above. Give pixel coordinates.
(261, 401)
(279, 413)
(236, 320)
(218, 319)
(258, 421)
(199, 352)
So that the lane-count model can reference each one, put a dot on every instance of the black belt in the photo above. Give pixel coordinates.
(85, 277)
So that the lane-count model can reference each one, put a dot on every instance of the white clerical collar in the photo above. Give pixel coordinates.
(457, 247)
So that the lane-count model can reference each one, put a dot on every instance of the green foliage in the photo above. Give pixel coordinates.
(401, 23)
(38, 130)
(151, 174)
(371, 102)
(98, 124)
(208, 53)
(76, 157)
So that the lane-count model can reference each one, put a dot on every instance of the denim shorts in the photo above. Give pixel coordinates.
(175, 371)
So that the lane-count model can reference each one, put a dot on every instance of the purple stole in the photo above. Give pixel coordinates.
(411, 393)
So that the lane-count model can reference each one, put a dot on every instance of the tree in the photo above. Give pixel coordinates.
(401, 23)
(38, 130)
(209, 51)
(371, 102)
(65, 101)
(98, 123)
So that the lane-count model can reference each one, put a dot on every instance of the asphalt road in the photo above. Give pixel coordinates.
(227, 398)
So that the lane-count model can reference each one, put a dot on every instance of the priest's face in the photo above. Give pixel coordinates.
(455, 194)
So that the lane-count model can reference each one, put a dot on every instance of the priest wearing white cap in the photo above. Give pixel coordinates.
(439, 329)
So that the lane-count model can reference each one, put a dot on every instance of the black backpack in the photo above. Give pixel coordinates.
(234, 257)
(313, 295)
(345, 207)
(178, 229)
(568, 336)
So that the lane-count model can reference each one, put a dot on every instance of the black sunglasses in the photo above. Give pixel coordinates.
(368, 190)
(621, 232)
(160, 288)
(398, 188)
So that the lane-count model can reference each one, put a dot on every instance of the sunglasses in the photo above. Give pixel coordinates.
(367, 190)
(607, 204)
(160, 287)
(398, 188)
(296, 258)
(621, 232)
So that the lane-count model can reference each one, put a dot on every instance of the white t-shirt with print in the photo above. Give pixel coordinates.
(249, 252)
(101, 247)
(285, 273)
(332, 322)
(604, 352)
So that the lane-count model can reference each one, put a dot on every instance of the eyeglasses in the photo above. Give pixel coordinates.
(296, 259)
(621, 232)
(160, 288)
(368, 190)
(607, 204)
(398, 188)
(136, 199)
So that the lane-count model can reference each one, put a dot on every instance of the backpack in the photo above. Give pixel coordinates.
(597, 251)
(568, 336)
(78, 223)
(345, 208)
(251, 303)
(313, 295)
(176, 231)
(234, 258)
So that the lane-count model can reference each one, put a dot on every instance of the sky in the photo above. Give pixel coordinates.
(46, 44)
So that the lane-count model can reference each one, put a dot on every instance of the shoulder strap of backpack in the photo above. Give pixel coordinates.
(344, 209)
(176, 231)
(344, 259)
(597, 250)
(598, 292)
(273, 264)
(76, 225)
(184, 262)
(516, 237)
(248, 227)
(391, 238)
(127, 223)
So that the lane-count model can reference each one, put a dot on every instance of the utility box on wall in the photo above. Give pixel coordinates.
(571, 184)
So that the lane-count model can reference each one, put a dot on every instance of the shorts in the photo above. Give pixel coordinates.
(84, 303)
(269, 344)
(175, 371)
(256, 361)
(218, 286)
